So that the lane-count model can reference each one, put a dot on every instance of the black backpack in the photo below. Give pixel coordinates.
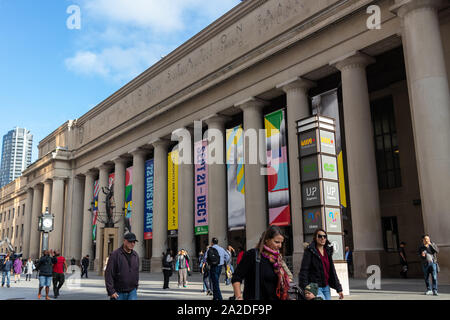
(165, 263)
(213, 257)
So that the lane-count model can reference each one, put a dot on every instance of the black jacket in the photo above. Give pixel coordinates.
(312, 268)
(432, 249)
(246, 272)
(45, 266)
(121, 274)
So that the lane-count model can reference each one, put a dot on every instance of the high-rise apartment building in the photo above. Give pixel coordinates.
(16, 154)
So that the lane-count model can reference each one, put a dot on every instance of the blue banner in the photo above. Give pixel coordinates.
(148, 208)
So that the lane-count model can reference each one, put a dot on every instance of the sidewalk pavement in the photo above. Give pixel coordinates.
(150, 288)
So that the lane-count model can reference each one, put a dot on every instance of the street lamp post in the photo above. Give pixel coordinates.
(46, 225)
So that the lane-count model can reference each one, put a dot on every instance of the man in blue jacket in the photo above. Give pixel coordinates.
(216, 256)
(6, 271)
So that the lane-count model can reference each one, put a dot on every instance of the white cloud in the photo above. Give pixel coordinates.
(120, 39)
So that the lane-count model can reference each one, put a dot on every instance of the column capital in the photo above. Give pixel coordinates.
(48, 181)
(160, 142)
(90, 173)
(37, 186)
(136, 152)
(251, 102)
(353, 59)
(216, 118)
(403, 7)
(104, 167)
(59, 178)
(119, 160)
(297, 83)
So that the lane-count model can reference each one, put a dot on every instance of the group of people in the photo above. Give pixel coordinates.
(262, 269)
(17, 267)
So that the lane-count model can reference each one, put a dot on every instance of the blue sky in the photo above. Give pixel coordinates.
(51, 74)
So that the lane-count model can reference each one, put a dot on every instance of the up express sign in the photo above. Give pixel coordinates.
(310, 165)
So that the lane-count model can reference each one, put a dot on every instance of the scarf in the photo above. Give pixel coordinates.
(278, 266)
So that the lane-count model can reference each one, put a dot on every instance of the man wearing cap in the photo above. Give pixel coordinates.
(122, 271)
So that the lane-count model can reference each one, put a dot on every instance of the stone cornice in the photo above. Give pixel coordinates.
(303, 29)
(202, 37)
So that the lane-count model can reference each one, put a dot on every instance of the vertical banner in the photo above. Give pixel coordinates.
(148, 208)
(111, 180)
(128, 198)
(95, 210)
(201, 188)
(172, 192)
(277, 178)
(235, 178)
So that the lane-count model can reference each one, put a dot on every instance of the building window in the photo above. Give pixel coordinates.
(390, 233)
(23, 210)
(18, 211)
(14, 209)
(21, 233)
(386, 144)
(17, 231)
(9, 215)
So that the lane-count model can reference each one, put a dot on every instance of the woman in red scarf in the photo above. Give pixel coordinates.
(274, 276)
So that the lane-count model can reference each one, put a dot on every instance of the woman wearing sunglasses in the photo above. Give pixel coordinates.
(318, 267)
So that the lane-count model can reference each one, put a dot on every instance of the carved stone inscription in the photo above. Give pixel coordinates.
(257, 27)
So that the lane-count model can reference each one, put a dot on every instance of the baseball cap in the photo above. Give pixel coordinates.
(130, 237)
(313, 288)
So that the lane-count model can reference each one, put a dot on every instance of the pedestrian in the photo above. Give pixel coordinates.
(263, 270)
(6, 271)
(182, 266)
(73, 263)
(204, 270)
(45, 267)
(349, 260)
(122, 271)
(240, 255)
(318, 266)
(85, 266)
(30, 267)
(59, 268)
(428, 253)
(229, 269)
(17, 269)
(167, 267)
(216, 256)
(403, 261)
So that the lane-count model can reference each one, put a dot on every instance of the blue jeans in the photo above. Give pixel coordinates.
(6, 274)
(427, 270)
(45, 281)
(132, 295)
(215, 275)
(324, 293)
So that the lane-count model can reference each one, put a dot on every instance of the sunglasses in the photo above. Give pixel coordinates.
(322, 236)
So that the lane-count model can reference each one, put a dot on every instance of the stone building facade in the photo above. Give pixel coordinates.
(262, 56)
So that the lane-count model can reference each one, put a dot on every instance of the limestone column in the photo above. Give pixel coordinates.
(86, 244)
(362, 170)
(57, 209)
(74, 225)
(103, 182)
(159, 241)
(217, 181)
(186, 239)
(119, 196)
(137, 218)
(430, 112)
(255, 182)
(34, 243)
(47, 195)
(27, 222)
(297, 108)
